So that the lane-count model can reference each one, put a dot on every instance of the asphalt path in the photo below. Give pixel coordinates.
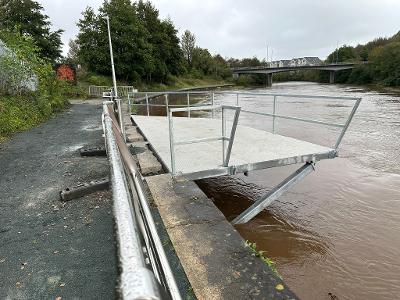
(50, 249)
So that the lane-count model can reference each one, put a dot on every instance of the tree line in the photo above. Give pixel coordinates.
(380, 62)
(148, 49)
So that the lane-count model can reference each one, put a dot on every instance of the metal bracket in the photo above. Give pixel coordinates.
(93, 151)
(274, 194)
(84, 189)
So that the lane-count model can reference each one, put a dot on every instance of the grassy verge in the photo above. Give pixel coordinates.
(19, 113)
(174, 83)
(181, 83)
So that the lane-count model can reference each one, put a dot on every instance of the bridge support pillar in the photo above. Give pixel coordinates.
(269, 79)
(332, 77)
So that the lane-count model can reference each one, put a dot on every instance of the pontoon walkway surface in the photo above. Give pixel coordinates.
(252, 148)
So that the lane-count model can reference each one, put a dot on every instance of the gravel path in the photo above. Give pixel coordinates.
(49, 249)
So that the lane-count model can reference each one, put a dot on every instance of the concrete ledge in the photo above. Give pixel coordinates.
(213, 254)
(148, 163)
(132, 135)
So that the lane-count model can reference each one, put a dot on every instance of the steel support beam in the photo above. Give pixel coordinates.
(274, 194)
(332, 77)
(269, 79)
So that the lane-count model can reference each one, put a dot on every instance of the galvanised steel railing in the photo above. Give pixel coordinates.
(145, 271)
(97, 90)
(142, 99)
(226, 151)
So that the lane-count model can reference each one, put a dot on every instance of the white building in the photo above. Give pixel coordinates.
(295, 62)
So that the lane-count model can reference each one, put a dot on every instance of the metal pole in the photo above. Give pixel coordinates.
(112, 58)
(223, 136)
(166, 103)
(121, 118)
(353, 111)
(274, 112)
(232, 137)
(147, 105)
(212, 103)
(274, 194)
(129, 104)
(188, 103)
(171, 142)
(237, 99)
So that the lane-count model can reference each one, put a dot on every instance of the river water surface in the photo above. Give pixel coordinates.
(338, 231)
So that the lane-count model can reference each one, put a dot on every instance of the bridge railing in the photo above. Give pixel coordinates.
(144, 102)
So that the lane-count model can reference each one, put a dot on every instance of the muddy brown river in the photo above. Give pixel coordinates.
(337, 232)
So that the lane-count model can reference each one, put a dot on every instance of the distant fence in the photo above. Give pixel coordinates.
(97, 91)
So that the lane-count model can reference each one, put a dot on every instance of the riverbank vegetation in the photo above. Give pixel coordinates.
(261, 254)
(378, 65)
(379, 62)
(29, 90)
(147, 49)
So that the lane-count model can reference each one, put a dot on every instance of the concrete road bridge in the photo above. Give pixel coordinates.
(269, 71)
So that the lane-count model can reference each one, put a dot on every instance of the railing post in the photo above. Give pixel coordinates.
(121, 118)
(274, 112)
(188, 104)
(171, 141)
(166, 103)
(147, 105)
(212, 104)
(346, 126)
(232, 136)
(237, 99)
(223, 136)
(129, 104)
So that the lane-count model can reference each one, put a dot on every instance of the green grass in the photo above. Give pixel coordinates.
(19, 113)
(180, 82)
(173, 83)
(265, 259)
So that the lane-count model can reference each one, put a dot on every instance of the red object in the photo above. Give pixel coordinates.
(65, 72)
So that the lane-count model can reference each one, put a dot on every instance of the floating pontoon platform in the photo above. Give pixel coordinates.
(192, 146)
(252, 149)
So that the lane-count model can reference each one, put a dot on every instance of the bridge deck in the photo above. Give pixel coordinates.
(252, 148)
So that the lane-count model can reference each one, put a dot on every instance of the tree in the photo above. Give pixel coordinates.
(27, 18)
(73, 52)
(188, 43)
(165, 43)
(386, 66)
(343, 54)
(145, 47)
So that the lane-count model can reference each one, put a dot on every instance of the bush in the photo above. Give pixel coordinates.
(100, 80)
(21, 107)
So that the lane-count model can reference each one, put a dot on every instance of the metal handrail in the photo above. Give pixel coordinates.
(135, 223)
(246, 93)
(226, 153)
(188, 107)
(295, 118)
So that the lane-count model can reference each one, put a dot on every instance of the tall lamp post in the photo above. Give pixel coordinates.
(112, 58)
(115, 94)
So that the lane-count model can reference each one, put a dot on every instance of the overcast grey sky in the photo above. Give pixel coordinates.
(234, 28)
